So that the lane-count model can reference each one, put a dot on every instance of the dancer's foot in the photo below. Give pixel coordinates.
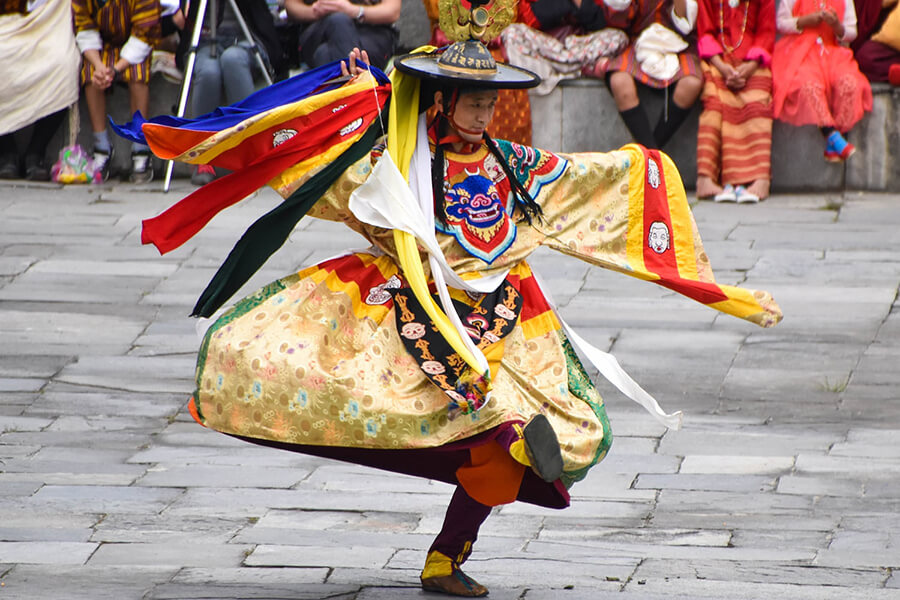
(759, 188)
(441, 574)
(542, 448)
(706, 187)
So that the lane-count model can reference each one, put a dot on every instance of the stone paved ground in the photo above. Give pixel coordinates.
(784, 482)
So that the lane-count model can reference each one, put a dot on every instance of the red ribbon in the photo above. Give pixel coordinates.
(184, 219)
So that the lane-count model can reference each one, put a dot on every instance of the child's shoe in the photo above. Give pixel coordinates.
(838, 149)
(102, 162)
(141, 167)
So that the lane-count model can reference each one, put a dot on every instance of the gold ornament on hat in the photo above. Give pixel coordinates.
(482, 20)
(467, 62)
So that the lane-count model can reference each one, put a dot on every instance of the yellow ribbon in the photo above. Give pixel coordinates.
(401, 143)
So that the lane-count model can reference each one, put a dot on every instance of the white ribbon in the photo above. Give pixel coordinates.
(610, 368)
(387, 200)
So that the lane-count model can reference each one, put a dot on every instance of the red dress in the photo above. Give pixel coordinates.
(817, 80)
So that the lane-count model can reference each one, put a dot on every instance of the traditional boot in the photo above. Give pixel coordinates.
(442, 574)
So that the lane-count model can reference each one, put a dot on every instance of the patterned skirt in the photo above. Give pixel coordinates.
(818, 84)
(734, 139)
(109, 55)
(689, 64)
(316, 362)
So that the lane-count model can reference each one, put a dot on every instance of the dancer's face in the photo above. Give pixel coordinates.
(471, 114)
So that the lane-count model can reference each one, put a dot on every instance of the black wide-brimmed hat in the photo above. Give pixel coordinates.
(466, 64)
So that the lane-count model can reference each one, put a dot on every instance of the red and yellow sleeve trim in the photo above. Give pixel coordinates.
(658, 204)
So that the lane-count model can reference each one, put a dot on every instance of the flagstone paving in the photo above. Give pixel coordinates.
(783, 483)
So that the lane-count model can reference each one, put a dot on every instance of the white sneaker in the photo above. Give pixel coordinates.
(744, 196)
(141, 167)
(726, 195)
(102, 161)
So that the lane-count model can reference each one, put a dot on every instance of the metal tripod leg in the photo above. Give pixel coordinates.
(249, 37)
(192, 59)
(188, 74)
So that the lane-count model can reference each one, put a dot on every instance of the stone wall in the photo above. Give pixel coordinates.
(580, 115)
(877, 139)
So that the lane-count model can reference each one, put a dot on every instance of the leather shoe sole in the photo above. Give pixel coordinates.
(542, 447)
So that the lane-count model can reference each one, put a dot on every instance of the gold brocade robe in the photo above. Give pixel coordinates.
(316, 358)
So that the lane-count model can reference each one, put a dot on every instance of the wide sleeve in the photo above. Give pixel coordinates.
(87, 32)
(764, 34)
(785, 20)
(686, 23)
(145, 21)
(707, 42)
(83, 19)
(849, 22)
(627, 211)
(333, 205)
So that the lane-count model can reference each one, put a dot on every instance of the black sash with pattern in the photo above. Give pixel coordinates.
(488, 322)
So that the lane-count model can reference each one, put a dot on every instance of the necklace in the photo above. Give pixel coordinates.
(732, 4)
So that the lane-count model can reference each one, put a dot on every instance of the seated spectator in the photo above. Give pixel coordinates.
(333, 28)
(659, 56)
(816, 79)
(116, 38)
(224, 69)
(39, 69)
(734, 139)
(562, 40)
(877, 46)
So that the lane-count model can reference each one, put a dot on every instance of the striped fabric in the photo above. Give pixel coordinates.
(117, 20)
(734, 139)
(280, 135)
(640, 15)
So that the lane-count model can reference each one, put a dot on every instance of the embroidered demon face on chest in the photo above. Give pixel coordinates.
(476, 216)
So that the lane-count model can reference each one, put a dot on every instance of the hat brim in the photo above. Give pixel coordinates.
(426, 66)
